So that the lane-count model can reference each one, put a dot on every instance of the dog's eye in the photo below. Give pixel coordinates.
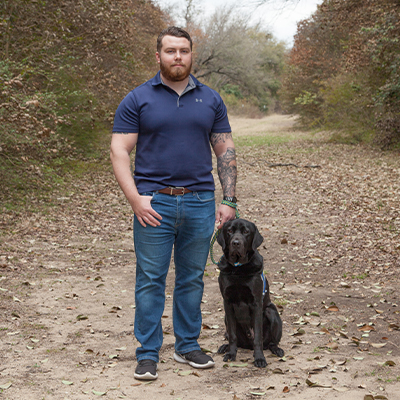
(230, 230)
(246, 231)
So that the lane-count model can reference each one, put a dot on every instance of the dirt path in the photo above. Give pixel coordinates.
(330, 222)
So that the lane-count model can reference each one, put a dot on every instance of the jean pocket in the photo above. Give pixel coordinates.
(205, 196)
(149, 194)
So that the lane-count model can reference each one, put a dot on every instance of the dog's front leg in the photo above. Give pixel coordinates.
(259, 359)
(231, 330)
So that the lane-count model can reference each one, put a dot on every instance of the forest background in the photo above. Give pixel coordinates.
(65, 66)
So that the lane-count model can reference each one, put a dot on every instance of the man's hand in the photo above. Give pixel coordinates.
(224, 213)
(121, 146)
(144, 211)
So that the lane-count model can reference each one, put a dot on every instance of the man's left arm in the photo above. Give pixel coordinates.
(224, 149)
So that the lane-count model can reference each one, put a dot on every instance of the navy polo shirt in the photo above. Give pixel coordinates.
(173, 147)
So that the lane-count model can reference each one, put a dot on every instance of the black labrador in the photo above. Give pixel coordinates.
(252, 320)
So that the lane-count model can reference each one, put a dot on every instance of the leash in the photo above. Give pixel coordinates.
(214, 238)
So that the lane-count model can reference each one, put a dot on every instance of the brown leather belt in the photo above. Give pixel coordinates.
(174, 191)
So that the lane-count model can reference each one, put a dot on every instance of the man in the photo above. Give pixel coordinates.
(171, 120)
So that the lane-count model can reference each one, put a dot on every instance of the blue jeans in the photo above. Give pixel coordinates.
(187, 226)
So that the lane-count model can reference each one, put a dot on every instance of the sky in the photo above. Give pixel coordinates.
(280, 17)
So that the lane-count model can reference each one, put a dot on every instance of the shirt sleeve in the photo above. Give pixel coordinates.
(221, 122)
(127, 116)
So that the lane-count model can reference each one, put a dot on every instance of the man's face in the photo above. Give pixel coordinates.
(175, 58)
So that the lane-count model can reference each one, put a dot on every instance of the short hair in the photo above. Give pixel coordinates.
(173, 31)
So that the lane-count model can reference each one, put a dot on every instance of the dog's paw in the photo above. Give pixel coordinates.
(260, 362)
(222, 349)
(277, 351)
(229, 357)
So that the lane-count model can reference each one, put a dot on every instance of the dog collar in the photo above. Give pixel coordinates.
(237, 264)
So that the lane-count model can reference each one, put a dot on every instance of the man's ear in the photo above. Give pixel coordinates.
(257, 239)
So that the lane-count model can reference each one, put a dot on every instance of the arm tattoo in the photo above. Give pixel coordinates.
(226, 165)
(219, 138)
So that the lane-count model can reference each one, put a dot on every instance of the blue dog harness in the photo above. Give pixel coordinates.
(264, 279)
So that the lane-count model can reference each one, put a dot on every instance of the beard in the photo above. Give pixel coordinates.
(175, 74)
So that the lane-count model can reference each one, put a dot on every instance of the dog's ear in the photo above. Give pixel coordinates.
(257, 239)
(221, 239)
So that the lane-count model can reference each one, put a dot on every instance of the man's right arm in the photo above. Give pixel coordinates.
(122, 145)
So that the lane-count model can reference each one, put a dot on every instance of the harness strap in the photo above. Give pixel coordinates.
(264, 279)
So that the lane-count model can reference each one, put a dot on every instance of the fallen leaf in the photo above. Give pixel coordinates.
(332, 345)
(98, 393)
(286, 389)
(394, 327)
(333, 308)
(316, 384)
(277, 371)
(298, 332)
(5, 385)
(67, 382)
(341, 389)
(390, 363)
(366, 328)
(185, 373)
(378, 345)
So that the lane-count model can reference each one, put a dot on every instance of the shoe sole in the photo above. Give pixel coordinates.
(146, 377)
(182, 360)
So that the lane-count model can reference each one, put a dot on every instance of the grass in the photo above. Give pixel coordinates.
(264, 140)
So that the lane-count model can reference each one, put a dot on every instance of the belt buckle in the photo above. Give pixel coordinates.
(179, 188)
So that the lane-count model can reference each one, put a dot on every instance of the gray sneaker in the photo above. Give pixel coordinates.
(146, 370)
(195, 358)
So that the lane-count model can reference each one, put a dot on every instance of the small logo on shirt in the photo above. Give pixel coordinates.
(199, 100)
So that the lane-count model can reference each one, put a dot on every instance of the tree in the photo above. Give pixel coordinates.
(343, 70)
(231, 52)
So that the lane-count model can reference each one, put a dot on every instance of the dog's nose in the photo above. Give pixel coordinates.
(235, 242)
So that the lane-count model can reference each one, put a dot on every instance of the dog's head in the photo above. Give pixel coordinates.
(239, 240)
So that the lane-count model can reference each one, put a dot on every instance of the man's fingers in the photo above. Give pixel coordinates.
(141, 222)
(156, 214)
(149, 219)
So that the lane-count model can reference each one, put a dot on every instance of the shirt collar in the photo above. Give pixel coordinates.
(193, 82)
